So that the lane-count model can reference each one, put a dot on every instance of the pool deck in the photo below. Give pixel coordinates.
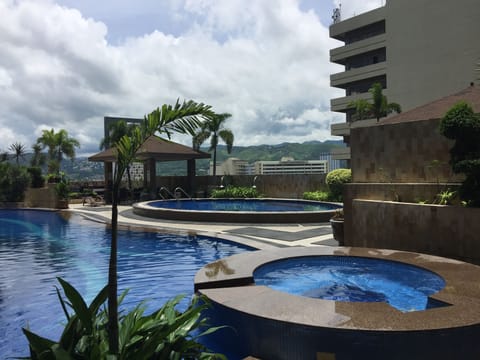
(261, 236)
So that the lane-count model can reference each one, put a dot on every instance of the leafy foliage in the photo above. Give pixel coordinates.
(445, 197)
(59, 145)
(18, 151)
(14, 180)
(164, 334)
(184, 118)
(462, 125)
(213, 128)
(62, 187)
(378, 108)
(318, 195)
(335, 180)
(235, 192)
(37, 180)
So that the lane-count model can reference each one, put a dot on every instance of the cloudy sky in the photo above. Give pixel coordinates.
(68, 63)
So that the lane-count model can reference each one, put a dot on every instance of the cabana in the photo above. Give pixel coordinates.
(153, 149)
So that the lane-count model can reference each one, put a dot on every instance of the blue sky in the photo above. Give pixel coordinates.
(67, 63)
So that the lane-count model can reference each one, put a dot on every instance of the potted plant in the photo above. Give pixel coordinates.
(337, 226)
(62, 189)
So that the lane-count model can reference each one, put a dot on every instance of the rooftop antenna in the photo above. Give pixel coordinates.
(337, 14)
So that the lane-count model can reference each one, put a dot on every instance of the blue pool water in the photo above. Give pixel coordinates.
(346, 278)
(243, 205)
(38, 246)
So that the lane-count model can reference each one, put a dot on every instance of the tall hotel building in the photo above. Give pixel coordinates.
(418, 50)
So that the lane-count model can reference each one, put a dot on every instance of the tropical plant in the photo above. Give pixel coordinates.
(235, 192)
(462, 125)
(59, 145)
(14, 180)
(445, 197)
(317, 195)
(38, 158)
(115, 132)
(164, 334)
(18, 150)
(378, 108)
(213, 128)
(37, 180)
(62, 187)
(335, 181)
(182, 118)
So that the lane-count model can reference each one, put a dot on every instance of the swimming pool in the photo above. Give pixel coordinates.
(239, 210)
(38, 246)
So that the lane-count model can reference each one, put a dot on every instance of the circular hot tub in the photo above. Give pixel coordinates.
(354, 279)
(238, 210)
(384, 304)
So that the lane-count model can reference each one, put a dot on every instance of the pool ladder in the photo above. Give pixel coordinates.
(162, 190)
(178, 190)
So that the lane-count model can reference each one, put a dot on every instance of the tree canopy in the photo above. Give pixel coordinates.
(378, 108)
(213, 128)
(59, 144)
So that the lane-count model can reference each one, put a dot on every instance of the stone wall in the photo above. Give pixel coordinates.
(277, 186)
(401, 153)
(448, 231)
(45, 197)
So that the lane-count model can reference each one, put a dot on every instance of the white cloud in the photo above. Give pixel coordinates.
(266, 65)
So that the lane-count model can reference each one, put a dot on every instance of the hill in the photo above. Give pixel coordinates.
(82, 169)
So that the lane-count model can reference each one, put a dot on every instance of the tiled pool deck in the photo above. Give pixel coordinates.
(261, 236)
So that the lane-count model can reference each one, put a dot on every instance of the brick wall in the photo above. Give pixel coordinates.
(401, 152)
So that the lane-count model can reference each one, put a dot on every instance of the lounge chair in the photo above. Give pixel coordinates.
(93, 200)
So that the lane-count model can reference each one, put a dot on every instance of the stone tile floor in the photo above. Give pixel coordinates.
(280, 235)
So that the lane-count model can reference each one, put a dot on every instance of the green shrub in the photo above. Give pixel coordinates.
(462, 125)
(38, 180)
(62, 187)
(14, 180)
(335, 180)
(235, 192)
(317, 195)
(165, 334)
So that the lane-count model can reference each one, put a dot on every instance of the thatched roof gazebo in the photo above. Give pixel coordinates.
(153, 149)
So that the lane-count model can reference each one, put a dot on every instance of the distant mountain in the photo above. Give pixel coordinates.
(309, 150)
(82, 169)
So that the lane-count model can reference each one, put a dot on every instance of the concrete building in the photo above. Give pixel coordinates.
(332, 164)
(232, 166)
(291, 166)
(418, 50)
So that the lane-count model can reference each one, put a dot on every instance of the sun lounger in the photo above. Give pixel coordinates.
(93, 201)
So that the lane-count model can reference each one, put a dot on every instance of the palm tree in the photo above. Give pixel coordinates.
(212, 128)
(58, 144)
(379, 108)
(115, 132)
(18, 150)
(38, 158)
(182, 118)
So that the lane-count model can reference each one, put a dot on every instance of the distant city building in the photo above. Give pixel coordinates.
(232, 166)
(291, 166)
(418, 51)
(333, 164)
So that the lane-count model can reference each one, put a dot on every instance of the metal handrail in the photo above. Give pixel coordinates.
(179, 189)
(163, 188)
